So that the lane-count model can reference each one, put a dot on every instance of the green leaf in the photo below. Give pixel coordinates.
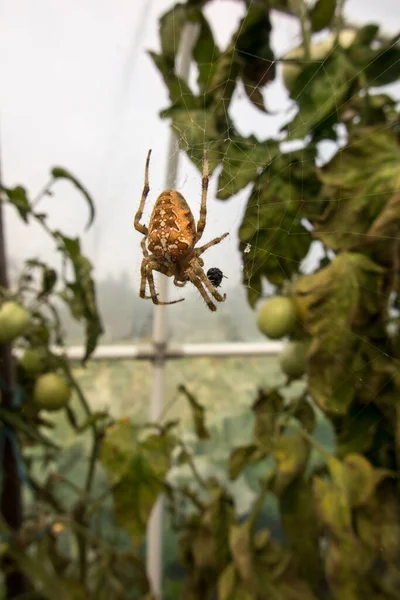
(227, 583)
(240, 457)
(305, 414)
(206, 54)
(254, 94)
(179, 92)
(301, 528)
(358, 430)
(171, 25)
(49, 276)
(61, 173)
(51, 586)
(241, 548)
(361, 478)
(378, 522)
(222, 84)
(267, 409)
(252, 43)
(198, 414)
(197, 129)
(291, 452)
(241, 163)
(384, 65)
(319, 89)
(322, 13)
(135, 470)
(80, 294)
(17, 196)
(273, 239)
(362, 210)
(333, 507)
(347, 292)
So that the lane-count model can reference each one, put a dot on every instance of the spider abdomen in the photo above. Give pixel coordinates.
(172, 228)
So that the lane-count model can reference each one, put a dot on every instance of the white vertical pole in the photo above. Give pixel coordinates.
(154, 531)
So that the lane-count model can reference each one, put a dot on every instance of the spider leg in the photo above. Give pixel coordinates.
(179, 283)
(146, 271)
(213, 242)
(201, 223)
(139, 226)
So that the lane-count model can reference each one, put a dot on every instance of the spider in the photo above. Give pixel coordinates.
(171, 238)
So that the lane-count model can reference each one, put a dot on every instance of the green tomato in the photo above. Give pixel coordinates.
(33, 360)
(51, 392)
(276, 317)
(293, 359)
(14, 321)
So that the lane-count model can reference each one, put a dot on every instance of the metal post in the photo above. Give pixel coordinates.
(154, 530)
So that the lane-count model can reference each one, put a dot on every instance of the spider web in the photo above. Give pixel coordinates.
(228, 215)
(248, 120)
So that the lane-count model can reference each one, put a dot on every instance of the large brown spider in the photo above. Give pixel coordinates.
(171, 238)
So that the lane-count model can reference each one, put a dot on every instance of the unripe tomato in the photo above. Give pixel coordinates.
(14, 321)
(33, 360)
(293, 359)
(276, 317)
(51, 392)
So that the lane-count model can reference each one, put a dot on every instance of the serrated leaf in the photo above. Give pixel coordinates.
(61, 173)
(322, 13)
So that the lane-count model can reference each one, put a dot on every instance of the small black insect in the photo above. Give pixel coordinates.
(215, 275)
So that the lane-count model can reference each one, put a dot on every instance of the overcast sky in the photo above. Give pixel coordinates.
(78, 90)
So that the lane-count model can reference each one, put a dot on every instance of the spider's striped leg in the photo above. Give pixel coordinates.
(198, 284)
(213, 242)
(147, 275)
(201, 223)
(142, 228)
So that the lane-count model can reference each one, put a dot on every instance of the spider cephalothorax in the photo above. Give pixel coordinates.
(171, 237)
